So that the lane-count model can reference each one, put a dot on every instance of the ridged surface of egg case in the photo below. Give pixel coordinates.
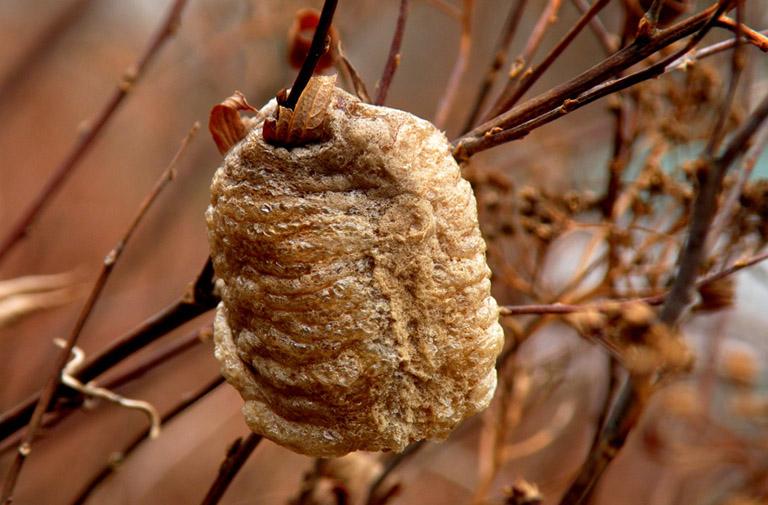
(356, 310)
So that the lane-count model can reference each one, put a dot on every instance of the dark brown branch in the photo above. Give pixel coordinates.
(237, 455)
(19, 229)
(393, 59)
(389, 468)
(109, 468)
(500, 54)
(316, 50)
(198, 300)
(512, 95)
(550, 105)
(55, 378)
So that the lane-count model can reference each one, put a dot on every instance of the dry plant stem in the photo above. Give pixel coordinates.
(53, 382)
(19, 229)
(500, 54)
(559, 308)
(601, 33)
(316, 50)
(622, 419)
(633, 394)
(135, 371)
(557, 102)
(459, 68)
(709, 51)
(20, 70)
(109, 468)
(393, 60)
(545, 21)
(237, 455)
(731, 201)
(449, 9)
(198, 300)
(396, 461)
(531, 75)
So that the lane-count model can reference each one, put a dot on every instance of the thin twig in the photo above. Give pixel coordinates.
(518, 122)
(237, 455)
(318, 47)
(551, 102)
(352, 74)
(389, 468)
(606, 40)
(198, 300)
(55, 379)
(393, 59)
(529, 78)
(459, 68)
(133, 371)
(19, 229)
(559, 308)
(500, 54)
(109, 468)
(705, 52)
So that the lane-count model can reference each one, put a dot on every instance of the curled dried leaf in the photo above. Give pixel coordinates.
(305, 123)
(225, 124)
(300, 39)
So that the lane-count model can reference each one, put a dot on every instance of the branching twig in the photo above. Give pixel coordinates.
(554, 103)
(19, 229)
(53, 382)
(198, 300)
(529, 78)
(500, 54)
(110, 467)
(559, 308)
(393, 59)
(237, 454)
(606, 40)
(316, 50)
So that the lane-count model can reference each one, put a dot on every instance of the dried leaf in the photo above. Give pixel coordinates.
(225, 124)
(305, 123)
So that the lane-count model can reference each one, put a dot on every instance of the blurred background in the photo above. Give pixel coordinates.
(59, 63)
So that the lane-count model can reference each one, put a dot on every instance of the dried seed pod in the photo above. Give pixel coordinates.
(356, 310)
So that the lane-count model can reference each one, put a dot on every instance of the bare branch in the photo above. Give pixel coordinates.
(20, 228)
(393, 60)
(237, 455)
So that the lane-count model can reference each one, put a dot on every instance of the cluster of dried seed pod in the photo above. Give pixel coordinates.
(356, 310)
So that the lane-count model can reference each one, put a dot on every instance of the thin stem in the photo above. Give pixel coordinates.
(237, 455)
(393, 59)
(519, 123)
(109, 468)
(316, 50)
(20, 228)
(559, 308)
(545, 104)
(55, 378)
(198, 300)
(532, 74)
(459, 68)
(606, 40)
(500, 54)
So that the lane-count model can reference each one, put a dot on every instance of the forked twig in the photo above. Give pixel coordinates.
(54, 380)
(19, 229)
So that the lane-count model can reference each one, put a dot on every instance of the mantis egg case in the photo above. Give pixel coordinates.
(356, 310)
